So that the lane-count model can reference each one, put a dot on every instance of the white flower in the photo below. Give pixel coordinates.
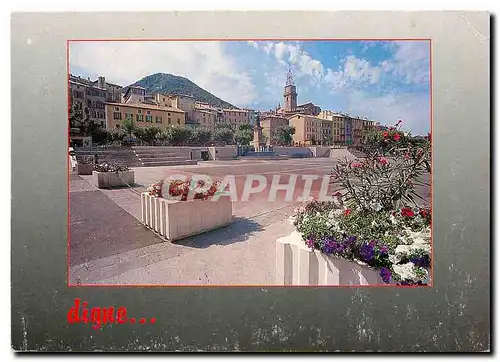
(393, 219)
(376, 206)
(405, 271)
(394, 259)
(318, 214)
(338, 212)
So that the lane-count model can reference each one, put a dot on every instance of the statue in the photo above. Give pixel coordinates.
(258, 141)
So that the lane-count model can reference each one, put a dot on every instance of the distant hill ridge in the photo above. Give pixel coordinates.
(173, 84)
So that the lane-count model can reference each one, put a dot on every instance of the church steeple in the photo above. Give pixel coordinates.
(289, 76)
(290, 95)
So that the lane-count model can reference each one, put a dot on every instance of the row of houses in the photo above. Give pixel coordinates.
(109, 104)
(327, 127)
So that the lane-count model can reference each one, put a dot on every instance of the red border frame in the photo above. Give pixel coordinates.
(248, 285)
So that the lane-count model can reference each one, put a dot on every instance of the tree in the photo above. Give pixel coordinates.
(177, 136)
(148, 134)
(200, 137)
(327, 140)
(75, 115)
(222, 135)
(284, 135)
(243, 135)
(129, 126)
(115, 136)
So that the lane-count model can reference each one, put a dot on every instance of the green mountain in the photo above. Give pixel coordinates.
(173, 84)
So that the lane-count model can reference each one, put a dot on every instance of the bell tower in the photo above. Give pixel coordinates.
(290, 94)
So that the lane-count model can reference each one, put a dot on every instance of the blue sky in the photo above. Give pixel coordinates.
(381, 80)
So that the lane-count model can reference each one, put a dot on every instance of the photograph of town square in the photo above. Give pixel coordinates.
(249, 163)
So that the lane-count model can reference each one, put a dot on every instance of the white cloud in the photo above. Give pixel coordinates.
(413, 109)
(253, 43)
(411, 61)
(204, 63)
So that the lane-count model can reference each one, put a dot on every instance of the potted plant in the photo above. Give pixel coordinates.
(180, 208)
(377, 230)
(85, 165)
(107, 175)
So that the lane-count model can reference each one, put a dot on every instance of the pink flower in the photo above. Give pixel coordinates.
(396, 137)
(356, 164)
(383, 160)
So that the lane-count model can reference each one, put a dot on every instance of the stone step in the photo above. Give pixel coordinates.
(153, 155)
(169, 163)
(159, 159)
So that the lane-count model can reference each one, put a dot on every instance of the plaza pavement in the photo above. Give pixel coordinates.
(109, 245)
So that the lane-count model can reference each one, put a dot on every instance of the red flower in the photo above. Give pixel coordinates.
(396, 137)
(423, 213)
(337, 194)
(383, 160)
(407, 156)
(407, 211)
(386, 134)
(347, 212)
(357, 164)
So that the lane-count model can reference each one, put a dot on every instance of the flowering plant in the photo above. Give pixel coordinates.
(181, 189)
(110, 167)
(397, 243)
(379, 219)
(386, 177)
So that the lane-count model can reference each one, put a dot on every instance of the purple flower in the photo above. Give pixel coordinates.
(332, 246)
(383, 251)
(329, 247)
(367, 252)
(310, 243)
(386, 275)
(422, 262)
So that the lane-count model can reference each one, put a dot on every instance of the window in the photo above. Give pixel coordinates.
(163, 101)
(117, 108)
(93, 114)
(149, 118)
(148, 112)
(169, 114)
(140, 118)
(158, 119)
(169, 120)
(117, 115)
(178, 121)
(139, 111)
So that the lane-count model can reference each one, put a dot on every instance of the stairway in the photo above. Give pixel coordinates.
(123, 156)
(356, 153)
(150, 156)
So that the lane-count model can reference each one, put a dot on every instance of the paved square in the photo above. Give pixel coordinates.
(109, 245)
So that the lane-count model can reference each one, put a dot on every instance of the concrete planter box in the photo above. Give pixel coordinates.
(106, 180)
(296, 264)
(176, 220)
(84, 168)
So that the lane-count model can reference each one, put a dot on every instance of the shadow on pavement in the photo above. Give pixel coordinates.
(238, 231)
